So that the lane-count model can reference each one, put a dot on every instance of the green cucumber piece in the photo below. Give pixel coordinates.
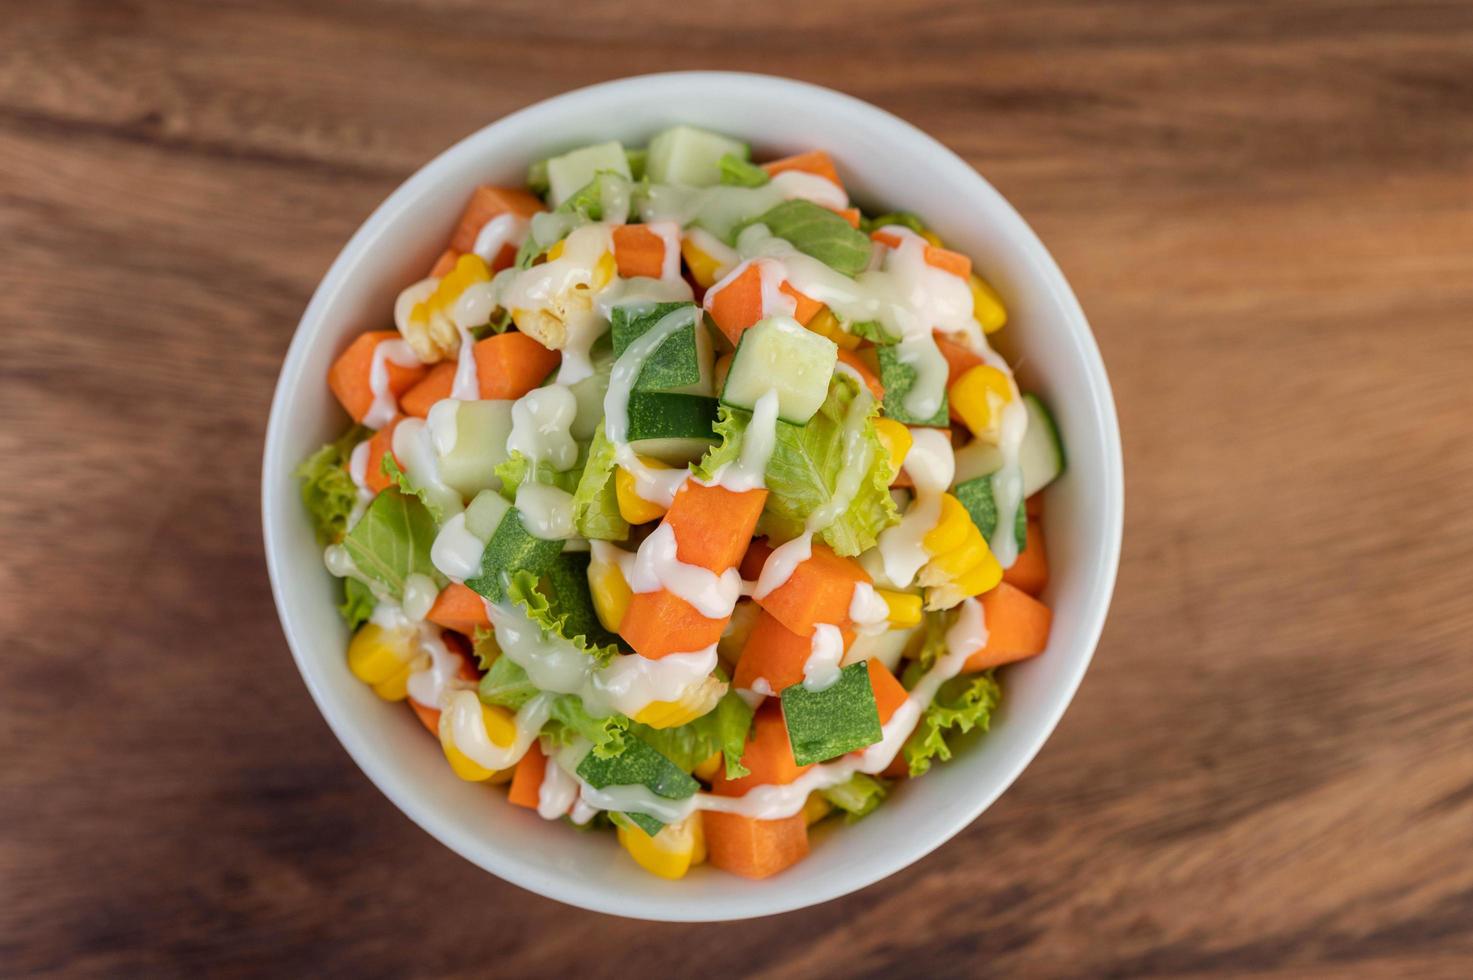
(509, 547)
(572, 171)
(640, 764)
(672, 428)
(842, 717)
(975, 459)
(980, 500)
(682, 362)
(481, 431)
(777, 354)
(690, 156)
(1042, 453)
(898, 378)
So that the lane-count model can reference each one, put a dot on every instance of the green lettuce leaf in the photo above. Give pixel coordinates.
(962, 704)
(392, 540)
(561, 605)
(872, 330)
(736, 172)
(391, 469)
(722, 729)
(595, 505)
(485, 647)
(805, 466)
(507, 685)
(513, 470)
(858, 796)
(358, 602)
(327, 489)
(819, 232)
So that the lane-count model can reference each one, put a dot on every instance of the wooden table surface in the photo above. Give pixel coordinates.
(1267, 212)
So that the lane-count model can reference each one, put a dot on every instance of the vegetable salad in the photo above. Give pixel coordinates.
(686, 499)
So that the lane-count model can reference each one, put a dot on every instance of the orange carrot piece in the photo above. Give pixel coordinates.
(851, 215)
(756, 556)
(812, 162)
(738, 304)
(889, 694)
(459, 608)
(435, 386)
(818, 591)
(1034, 506)
(382, 442)
(959, 359)
(754, 848)
(713, 525)
(768, 755)
(1017, 627)
(526, 781)
(857, 362)
(511, 364)
(1030, 571)
(638, 251)
(660, 623)
(349, 376)
(486, 203)
(805, 309)
(776, 654)
(938, 258)
(428, 717)
(444, 263)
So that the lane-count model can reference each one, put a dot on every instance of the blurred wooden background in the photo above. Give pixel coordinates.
(1266, 210)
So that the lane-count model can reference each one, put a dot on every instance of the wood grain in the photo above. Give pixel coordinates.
(1266, 210)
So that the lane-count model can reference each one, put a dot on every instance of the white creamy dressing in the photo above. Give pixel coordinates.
(749, 470)
(557, 793)
(547, 511)
(414, 448)
(628, 684)
(463, 722)
(384, 407)
(669, 234)
(466, 385)
(438, 676)
(420, 592)
(931, 466)
(774, 802)
(720, 208)
(358, 473)
(656, 566)
(456, 552)
(540, 421)
(826, 649)
(442, 421)
(869, 613)
(410, 297)
(725, 257)
(770, 275)
(505, 229)
(782, 563)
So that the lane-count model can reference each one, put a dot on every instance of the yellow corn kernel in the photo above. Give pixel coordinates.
(695, 702)
(556, 252)
(703, 268)
(825, 324)
(611, 594)
(952, 528)
(987, 308)
(980, 578)
(395, 688)
(501, 728)
(708, 769)
(632, 507)
(951, 564)
(896, 439)
(603, 271)
(671, 852)
(978, 396)
(377, 655)
(815, 808)
(905, 608)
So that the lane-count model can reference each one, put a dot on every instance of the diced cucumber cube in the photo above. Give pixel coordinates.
(841, 718)
(682, 362)
(480, 432)
(572, 171)
(672, 428)
(777, 354)
(483, 515)
(1042, 454)
(977, 458)
(640, 764)
(980, 500)
(686, 155)
(511, 548)
(898, 378)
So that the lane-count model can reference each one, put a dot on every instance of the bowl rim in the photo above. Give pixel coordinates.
(1105, 430)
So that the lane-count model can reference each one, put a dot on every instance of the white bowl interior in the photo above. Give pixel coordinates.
(886, 163)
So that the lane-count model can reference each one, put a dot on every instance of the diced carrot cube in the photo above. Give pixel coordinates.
(435, 386)
(1017, 627)
(819, 590)
(713, 525)
(511, 364)
(444, 263)
(889, 694)
(486, 203)
(805, 309)
(1030, 571)
(754, 848)
(526, 780)
(382, 442)
(350, 375)
(768, 755)
(638, 251)
(737, 304)
(459, 608)
(660, 623)
(812, 162)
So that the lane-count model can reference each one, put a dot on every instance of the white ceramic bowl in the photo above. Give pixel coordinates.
(886, 164)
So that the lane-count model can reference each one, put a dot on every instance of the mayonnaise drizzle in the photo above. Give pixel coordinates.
(869, 613)
(467, 729)
(415, 451)
(456, 552)
(507, 228)
(931, 466)
(659, 486)
(782, 563)
(657, 566)
(384, 407)
(826, 649)
(558, 791)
